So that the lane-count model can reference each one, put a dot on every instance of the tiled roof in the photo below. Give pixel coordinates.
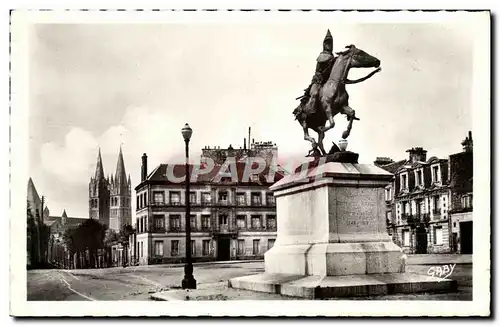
(394, 167)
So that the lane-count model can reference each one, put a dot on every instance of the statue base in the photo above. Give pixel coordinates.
(332, 238)
(343, 157)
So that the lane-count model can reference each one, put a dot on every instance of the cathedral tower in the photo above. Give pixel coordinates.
(99, 194)
(120, 197)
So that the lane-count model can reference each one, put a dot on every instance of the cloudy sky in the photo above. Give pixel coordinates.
(104, 85)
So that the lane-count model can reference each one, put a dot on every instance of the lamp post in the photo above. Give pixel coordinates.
(188, 282)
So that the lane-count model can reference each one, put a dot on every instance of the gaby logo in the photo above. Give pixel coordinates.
(443, 272)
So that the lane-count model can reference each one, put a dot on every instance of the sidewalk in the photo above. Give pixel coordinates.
(416, 264)
(439, 259)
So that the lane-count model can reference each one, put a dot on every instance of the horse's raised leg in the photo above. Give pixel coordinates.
(351, 115)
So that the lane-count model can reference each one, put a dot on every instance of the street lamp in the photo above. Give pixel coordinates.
(188, 282)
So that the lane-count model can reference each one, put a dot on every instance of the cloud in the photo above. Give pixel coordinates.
(142, 130)
(69, 161)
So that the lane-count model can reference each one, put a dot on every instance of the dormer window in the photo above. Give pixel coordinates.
(467, 201)
(436, 173)
(404, 181)
(419, 178)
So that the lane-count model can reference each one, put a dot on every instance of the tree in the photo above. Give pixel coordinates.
(124, 237)
(30, 237)
(85, 241)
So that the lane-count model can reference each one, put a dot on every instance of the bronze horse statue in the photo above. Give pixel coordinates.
(333, 97)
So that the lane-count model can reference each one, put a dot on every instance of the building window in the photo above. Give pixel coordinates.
(159, 222)
(467, 201)
(404, 181)
(192, 197)
(256, 221)
(256, 199)
(159, 197)
(175, 198)
(175, 222)
(205, 222)
(389, 216)
(174, 248)
(193, 248)
(270, 199)
(142, 248)
(256, 244)
(159, 248)
(241, 247)
(438, 235)
(435, 174)
(241, 221)
(223, 196)
(270, 243)
(406, 238)
(205, 247)
(419, 178)
(138, 204)
(240, 199)
(388, 195)
(222, 219)
(206, 198)
(271, 222)
(193, 222)
(436, 210)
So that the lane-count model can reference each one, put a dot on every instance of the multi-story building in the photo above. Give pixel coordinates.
(461, 185)
(418, 203)
(110, 198)
(231, 217)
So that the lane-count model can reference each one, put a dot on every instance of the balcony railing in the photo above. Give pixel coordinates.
(206, 203)
(224, 229)
(158, 230)
(174, 229)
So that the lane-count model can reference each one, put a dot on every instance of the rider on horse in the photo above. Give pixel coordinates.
(324, 65)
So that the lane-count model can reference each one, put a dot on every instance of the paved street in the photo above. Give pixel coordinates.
(138, 283)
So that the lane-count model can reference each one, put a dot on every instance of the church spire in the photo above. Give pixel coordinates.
(120, 175)
(99, 170)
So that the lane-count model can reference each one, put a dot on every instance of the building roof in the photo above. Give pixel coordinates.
(394, 167)
(120, 178)
(219, 174)
(99, 170)
(33, 196)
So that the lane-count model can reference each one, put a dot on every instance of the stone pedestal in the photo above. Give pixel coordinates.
(332, 238)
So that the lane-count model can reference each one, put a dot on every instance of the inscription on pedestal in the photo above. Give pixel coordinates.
(357, 210)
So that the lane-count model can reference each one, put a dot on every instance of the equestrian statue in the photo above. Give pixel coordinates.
(326, 95)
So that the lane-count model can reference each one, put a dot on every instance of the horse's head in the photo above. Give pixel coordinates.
(361, 59)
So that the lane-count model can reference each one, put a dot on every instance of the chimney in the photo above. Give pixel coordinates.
(144, 167)
(249, 129)
(417, 154)
(467, 143)
(244, 144)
